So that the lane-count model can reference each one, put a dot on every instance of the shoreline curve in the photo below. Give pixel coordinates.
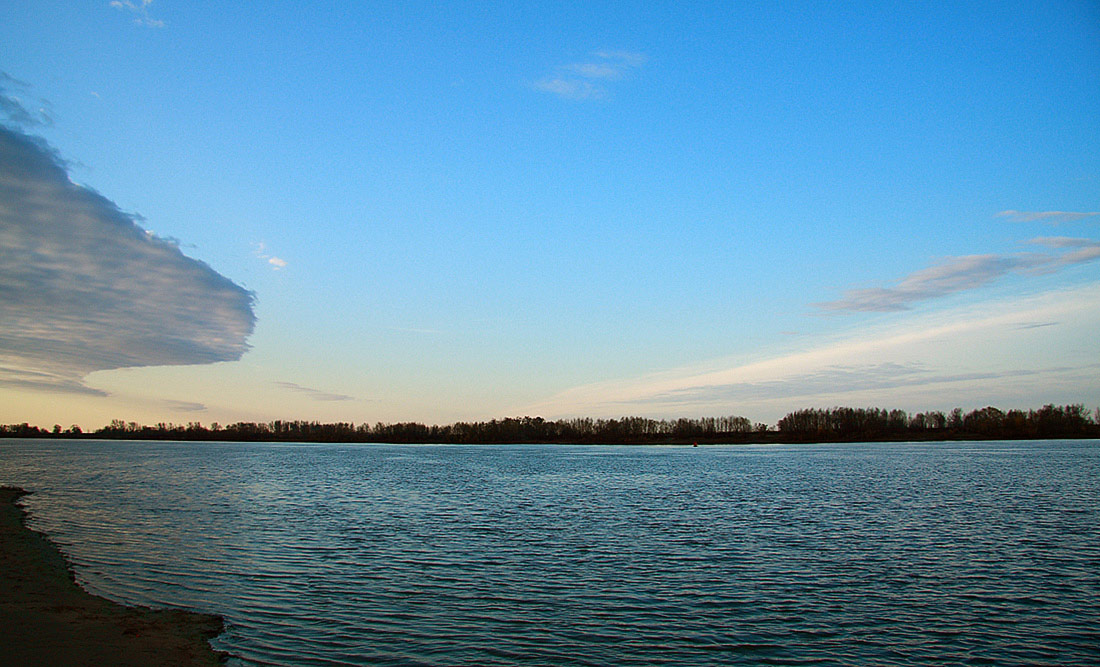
(46, 618)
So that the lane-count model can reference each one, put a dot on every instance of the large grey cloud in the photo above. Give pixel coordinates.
(85, 288)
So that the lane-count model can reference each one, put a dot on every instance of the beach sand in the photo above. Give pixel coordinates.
(47, 619)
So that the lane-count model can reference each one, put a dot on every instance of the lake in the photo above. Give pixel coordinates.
(840, 554)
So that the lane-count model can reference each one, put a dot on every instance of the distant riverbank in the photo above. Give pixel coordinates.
(839, 424)
(46, 619)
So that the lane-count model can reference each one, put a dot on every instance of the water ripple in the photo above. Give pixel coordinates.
(898, 554)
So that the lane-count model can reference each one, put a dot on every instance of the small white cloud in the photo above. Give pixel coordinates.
(574, 81)
(569, 89)
(140, 11)
(626, 58)
(1053, 217)
(597, 70)
(275, 262)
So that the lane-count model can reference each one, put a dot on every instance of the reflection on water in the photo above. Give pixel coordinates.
(441, 555)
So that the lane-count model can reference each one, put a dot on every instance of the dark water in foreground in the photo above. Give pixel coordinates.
(936, 553)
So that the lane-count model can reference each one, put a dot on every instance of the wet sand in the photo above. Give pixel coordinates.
(47, 619)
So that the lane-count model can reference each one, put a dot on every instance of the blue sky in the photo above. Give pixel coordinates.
(484, 210)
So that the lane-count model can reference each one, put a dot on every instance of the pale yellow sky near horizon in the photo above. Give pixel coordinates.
(1000, 353)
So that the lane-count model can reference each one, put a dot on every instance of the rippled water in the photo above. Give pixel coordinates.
(984, 553)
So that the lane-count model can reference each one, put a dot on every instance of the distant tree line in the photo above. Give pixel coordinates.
(513, 429)
(809, 425)
(1049, 421)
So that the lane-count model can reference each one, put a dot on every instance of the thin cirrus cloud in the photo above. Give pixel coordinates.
(315, 394)
(13, 107)
(139, 10)
(852, 377)
(87, 289)
(958, 274)
(1002, 350)
(572, 89)
(184, 406)
(1053, 217)
(588, 80)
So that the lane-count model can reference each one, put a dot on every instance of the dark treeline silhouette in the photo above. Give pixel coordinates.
(1049, 421)
(810, 425)
(513, 430)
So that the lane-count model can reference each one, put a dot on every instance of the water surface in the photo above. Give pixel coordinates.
(930, 553)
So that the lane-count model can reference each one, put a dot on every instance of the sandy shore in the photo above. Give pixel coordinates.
(46, 619)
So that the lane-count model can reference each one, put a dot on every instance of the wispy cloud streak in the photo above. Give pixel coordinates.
(13, 108)
(958, 274)
(940, 356)
(315, 394)
(850, 377)
(184, 406)
(569, 88)
(140, 12)
(578, 81)
(1053, 217)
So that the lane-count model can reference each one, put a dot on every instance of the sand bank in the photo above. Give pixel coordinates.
(46, 619)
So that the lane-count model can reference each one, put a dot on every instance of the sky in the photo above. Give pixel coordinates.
(382, 212)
